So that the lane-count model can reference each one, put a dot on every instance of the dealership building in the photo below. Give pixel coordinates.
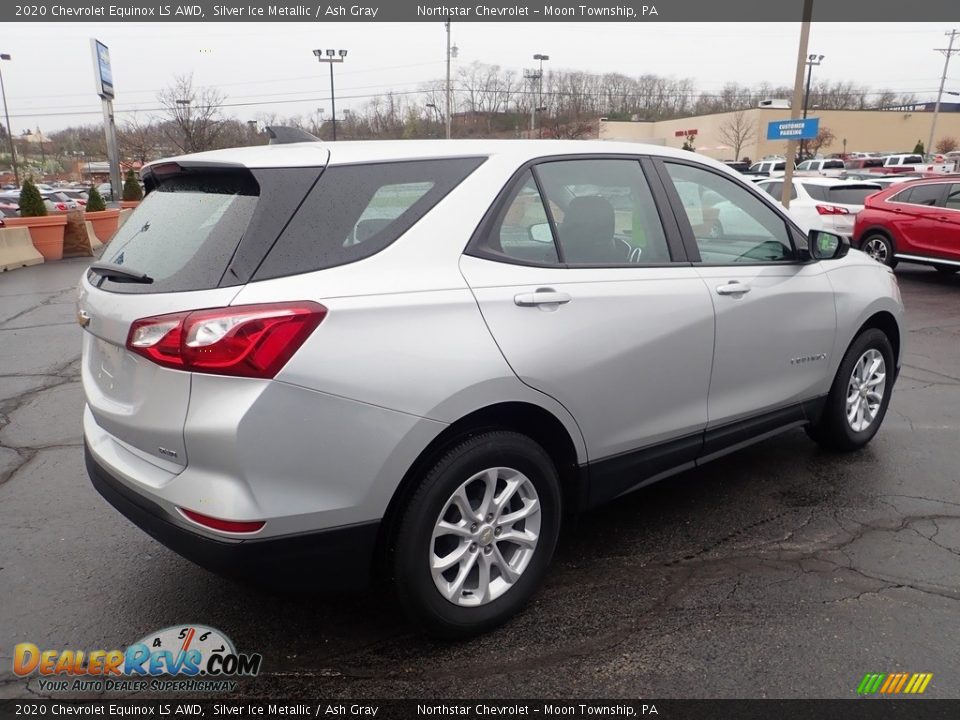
(889, 130)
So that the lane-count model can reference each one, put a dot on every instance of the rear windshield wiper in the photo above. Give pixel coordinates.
(120, 273)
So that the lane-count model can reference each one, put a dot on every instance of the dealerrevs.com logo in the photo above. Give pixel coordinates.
(187, 658)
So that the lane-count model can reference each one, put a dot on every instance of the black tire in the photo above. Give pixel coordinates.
(413, 543)
(879, 247)
(946, 269)
(832, 430)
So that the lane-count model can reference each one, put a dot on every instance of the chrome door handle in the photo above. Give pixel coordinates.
(542, 296)
(733, 288)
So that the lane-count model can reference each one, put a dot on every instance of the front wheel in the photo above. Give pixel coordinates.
(880, 248)
(859, 396)
(475, 539)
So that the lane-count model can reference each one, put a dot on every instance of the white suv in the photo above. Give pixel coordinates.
(412, 360)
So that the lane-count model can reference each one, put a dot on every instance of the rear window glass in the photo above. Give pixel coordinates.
(817, 192)
(854, 195)
(355, 211)
(184, 232)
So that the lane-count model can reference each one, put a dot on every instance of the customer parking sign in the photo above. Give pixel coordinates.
(793, 129)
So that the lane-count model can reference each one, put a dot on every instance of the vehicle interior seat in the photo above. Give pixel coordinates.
(587, 232)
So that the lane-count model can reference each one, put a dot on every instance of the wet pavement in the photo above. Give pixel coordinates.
(781, 571)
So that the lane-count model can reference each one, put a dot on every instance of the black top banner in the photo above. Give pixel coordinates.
(176, 709)
(506, 10)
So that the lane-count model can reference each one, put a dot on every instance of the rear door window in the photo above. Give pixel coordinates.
(355, 211)
(953, 197)
(920, 195)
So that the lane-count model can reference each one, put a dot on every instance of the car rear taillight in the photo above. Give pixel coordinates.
(831, 210)
(231, 526)
(244, 341)
(62, 207)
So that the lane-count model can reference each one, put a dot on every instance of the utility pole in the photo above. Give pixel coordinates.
(797, 100)
(947, 52)
(449, 114)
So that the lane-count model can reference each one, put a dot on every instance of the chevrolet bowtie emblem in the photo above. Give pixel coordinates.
(83, 318)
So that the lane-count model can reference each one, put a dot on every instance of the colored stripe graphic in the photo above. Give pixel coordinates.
(890, 686)
(894, 683)
(903, 681)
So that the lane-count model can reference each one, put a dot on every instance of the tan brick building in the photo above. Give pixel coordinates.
(863, 130)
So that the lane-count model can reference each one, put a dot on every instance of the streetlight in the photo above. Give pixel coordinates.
(330, 57)
(541, 58)
(812, 59)
(13, 149)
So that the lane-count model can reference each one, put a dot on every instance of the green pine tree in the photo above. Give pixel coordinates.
(95, 202)
(918, 148)
(131, 188)
(31, 203)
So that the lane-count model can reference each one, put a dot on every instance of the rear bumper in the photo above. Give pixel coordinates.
(344, 553)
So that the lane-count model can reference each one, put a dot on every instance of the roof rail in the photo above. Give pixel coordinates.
(280, 135)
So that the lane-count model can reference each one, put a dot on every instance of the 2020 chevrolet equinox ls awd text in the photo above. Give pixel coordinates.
(412, 360)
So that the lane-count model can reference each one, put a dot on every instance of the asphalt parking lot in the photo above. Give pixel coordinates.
(781, 571)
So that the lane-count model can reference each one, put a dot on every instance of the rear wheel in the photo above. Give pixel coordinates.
(859, 396)
(475, 539)
(880, 248)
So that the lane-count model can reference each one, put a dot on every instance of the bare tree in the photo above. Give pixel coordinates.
(737, 131)
(140, 140)
(946, 144)
(194, 122)
(824, 138)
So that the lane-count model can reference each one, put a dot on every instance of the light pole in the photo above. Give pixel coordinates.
(13, 149)
(330, 57)
(452, 51)
(541, 58)
(812, 59)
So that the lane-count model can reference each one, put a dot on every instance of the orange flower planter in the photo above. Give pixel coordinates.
(104, 223)
(46, 233)
(129, 204)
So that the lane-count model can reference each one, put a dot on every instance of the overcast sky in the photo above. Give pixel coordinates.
(50, 82)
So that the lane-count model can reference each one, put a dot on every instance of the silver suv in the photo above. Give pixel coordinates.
(412, 360)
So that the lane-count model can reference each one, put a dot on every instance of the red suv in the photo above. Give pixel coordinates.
(914, 221)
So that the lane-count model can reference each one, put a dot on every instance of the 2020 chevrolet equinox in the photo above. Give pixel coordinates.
(414, 359)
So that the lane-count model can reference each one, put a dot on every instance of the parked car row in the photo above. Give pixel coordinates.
(54, 200)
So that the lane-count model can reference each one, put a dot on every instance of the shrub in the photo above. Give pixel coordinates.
(31, 203)
(131, 188)
(918, 148)
(95, 202)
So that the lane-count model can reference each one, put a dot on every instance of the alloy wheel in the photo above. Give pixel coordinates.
(485, 537)
(865, 390)
(876, 247)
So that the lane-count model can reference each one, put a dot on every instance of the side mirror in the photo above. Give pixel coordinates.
(827, 246)
(541, 233)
